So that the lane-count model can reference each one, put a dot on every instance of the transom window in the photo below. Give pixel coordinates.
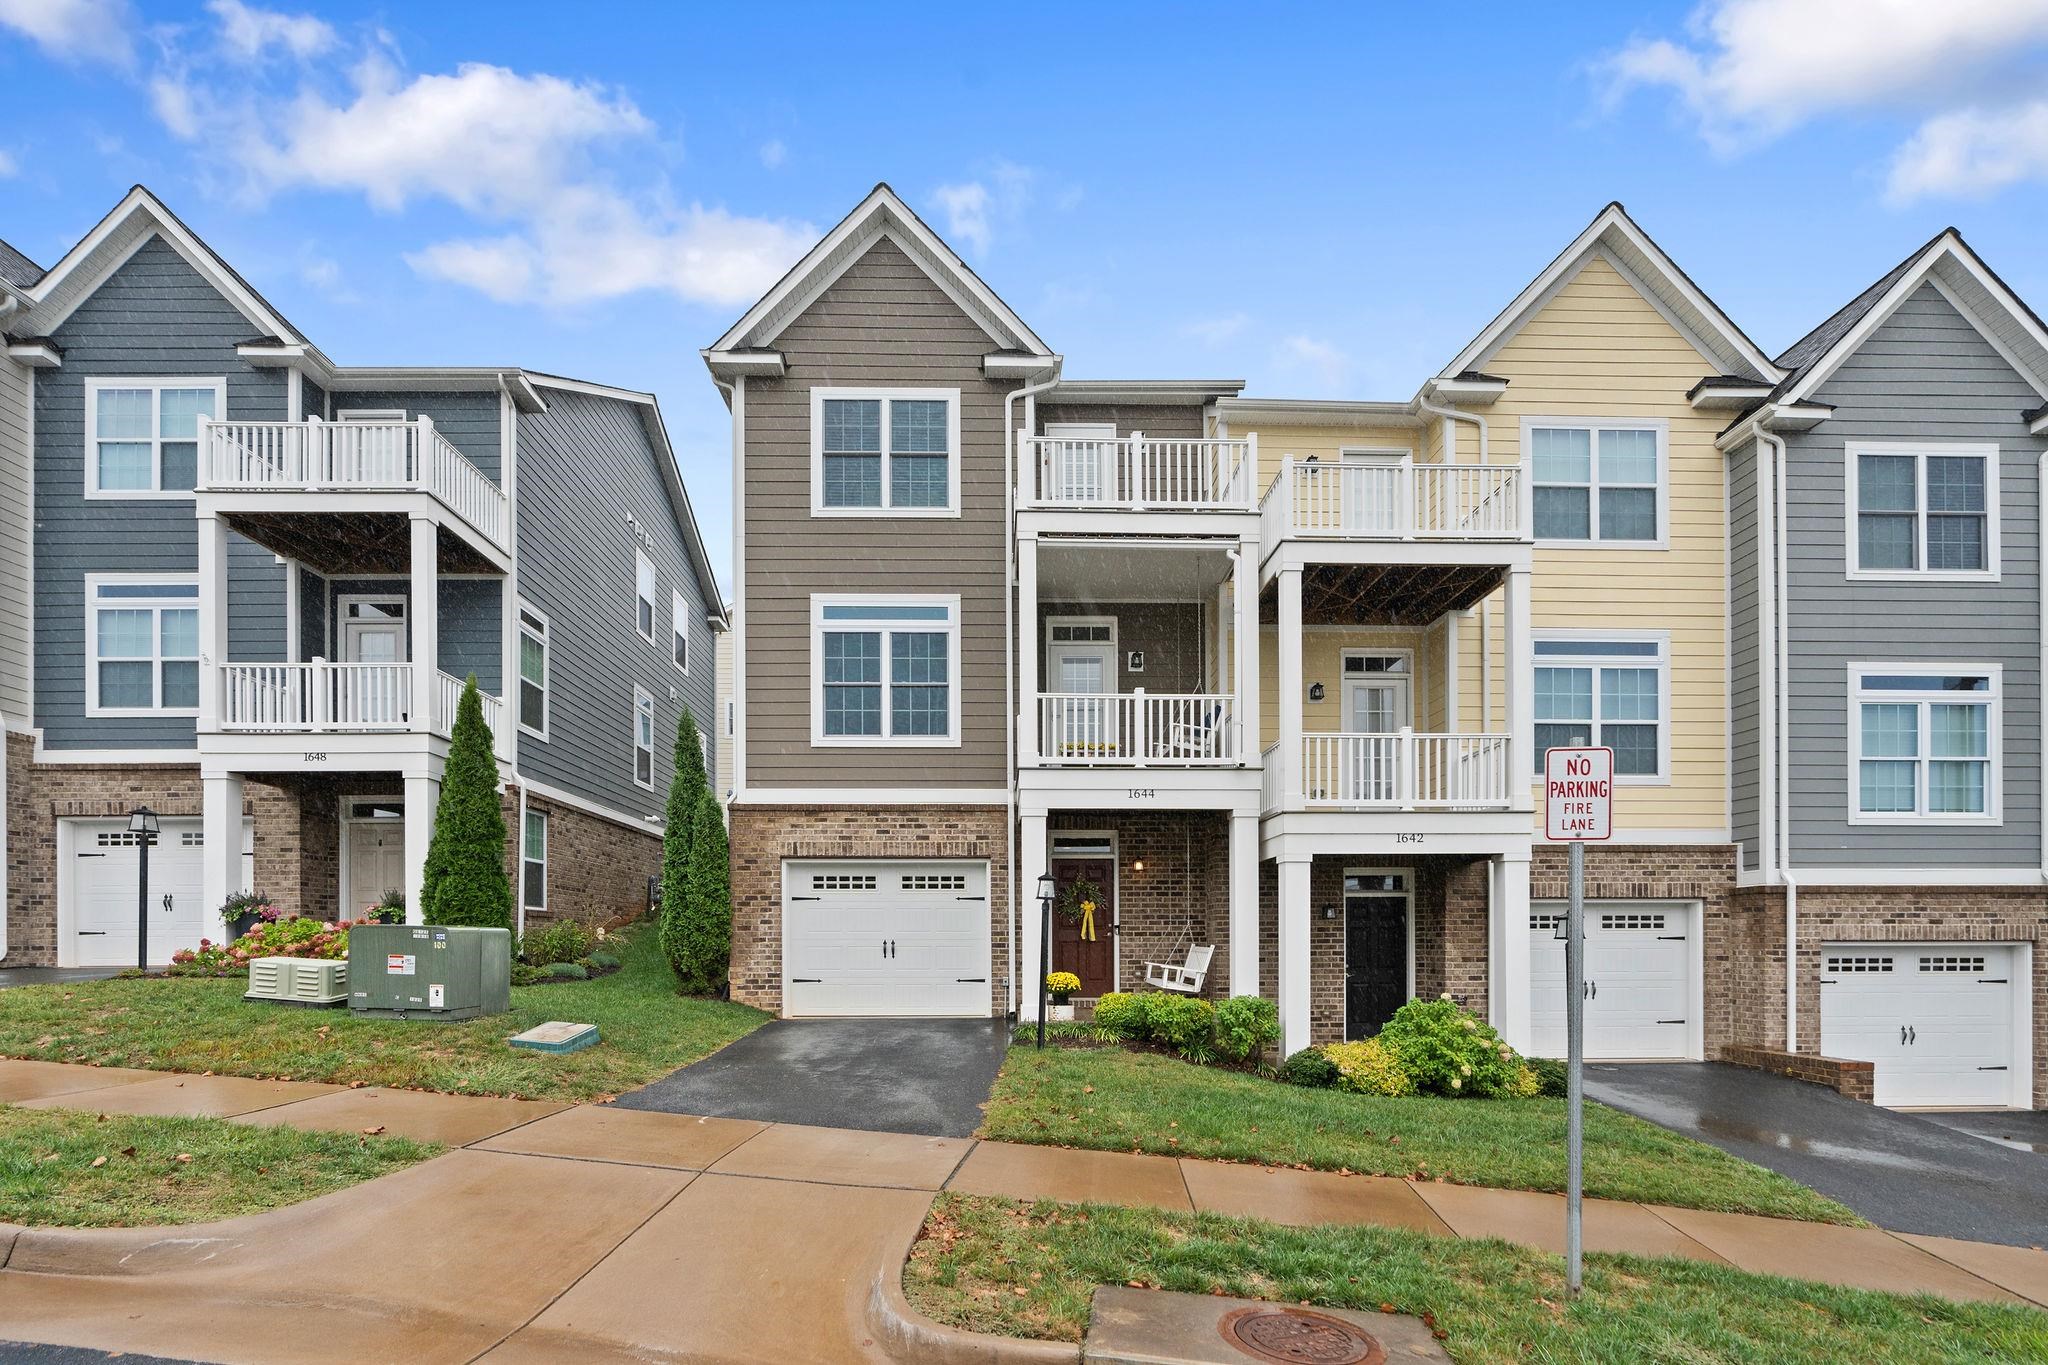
(885, 670)
(1923, 510)
(1609, 692)
(883, 450)
(533, 672)
(1925, 745)
(143, 635)
(1080, 632)
(643, 594)
(142, 435)
(643, 737)
(533, 862)
(1597, 481)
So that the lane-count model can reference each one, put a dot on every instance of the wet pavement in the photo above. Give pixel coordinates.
(2021, 1130)
(1902, 1171)
(928, 1076)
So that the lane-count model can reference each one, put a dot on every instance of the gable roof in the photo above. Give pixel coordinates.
(17, 269)
(882, 214)
(1614, 235)
(1948, 263)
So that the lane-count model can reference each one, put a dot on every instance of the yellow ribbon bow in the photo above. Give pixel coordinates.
(1088, 921)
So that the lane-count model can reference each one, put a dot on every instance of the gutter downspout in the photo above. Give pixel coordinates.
(1782, 701)
(3, 838)
(1452, 414)
(2041, 488)
(1029, 392)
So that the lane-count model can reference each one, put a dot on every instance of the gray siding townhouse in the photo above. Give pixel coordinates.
(256, 581)
(1886, 639)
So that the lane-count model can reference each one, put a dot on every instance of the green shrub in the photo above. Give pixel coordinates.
(1550, 1076)
(1121, 1016)
(564, 940)
(523, 975)
(1184, 1023)
(567, 971)
(1246, 1025)
(1369, 1067)
(1445, 1049)
(686, 790)
(465, 880)
(703, 935)
(602, 962)
(1311, 1067)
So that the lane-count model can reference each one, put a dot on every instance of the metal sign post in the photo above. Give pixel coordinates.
(1578, 807)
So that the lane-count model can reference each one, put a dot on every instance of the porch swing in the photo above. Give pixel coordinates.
(1187, 976)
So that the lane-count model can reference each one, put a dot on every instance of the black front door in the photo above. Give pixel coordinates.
(1375, 962)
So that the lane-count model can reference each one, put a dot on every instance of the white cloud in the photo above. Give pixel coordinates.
(975, 209)
(501, 267)
(1318, 361)
(8, 165)
(250, 33)
(1972, 152)
(966, 209)
(74, 30)
(773, 154)
(1215, 331)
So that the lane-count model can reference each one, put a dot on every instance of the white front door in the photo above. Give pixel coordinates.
(867, 937)
(376, 852)
(373, 633)
(1079, 462)
(1641, 988)
(1376, 702)
(1937, 1019)
(102, 883)
(373, 630)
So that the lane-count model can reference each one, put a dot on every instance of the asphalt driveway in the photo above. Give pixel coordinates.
(925, 1076)
(1901, 1171)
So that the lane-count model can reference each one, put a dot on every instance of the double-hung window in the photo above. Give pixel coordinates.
(533, 672)
(643, 737)
(1925, 743)
(885, 670)
(533, 862)
(142, 635)
(679, 630)
(1608, 691)
(142, 435)
(1597, 481)
(643, 595)
(1924, 511)
(885, 451)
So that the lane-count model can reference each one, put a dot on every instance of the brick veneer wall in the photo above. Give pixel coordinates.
(1942, 914)
(597, 869)
(1182, 896)
(1851, 1080)
(762, 836)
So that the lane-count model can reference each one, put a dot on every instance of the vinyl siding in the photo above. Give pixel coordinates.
(468, 420)
(16, 533)
(1180, 422)
(589, 490)
(882, 323)
(1924, 374)
(1168, 633)
(155, 315)
(1322, 661)
(1744, 671)
(724, 697)
(1326, 443)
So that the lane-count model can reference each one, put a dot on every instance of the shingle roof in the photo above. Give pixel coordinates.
(1803, 353)
(17, 269)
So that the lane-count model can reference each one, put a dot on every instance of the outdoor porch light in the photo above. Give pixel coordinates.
(1047, 887)
(1315, 692)
(1137, 864)
(142, 824)
(142, 820)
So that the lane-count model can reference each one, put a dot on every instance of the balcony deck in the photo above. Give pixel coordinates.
(1403, 771)
(1441, 504)
(327, 698)
(1138, 730)
(1136, 473)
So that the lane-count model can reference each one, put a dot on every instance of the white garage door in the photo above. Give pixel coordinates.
(101, 887)
(885, 938)
(1938, 1019)
(1641, 986)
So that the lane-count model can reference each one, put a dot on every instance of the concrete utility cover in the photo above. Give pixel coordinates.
(1152, 1327)
(556, 1036)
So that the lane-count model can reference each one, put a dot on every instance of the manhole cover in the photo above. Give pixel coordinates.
(1295, 1336)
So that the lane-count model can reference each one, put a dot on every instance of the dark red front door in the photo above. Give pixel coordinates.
(1093, 961)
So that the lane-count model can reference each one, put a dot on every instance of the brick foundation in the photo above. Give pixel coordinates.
(1852, 1080)
(1181, 898)
(762, 836)
(597, 869)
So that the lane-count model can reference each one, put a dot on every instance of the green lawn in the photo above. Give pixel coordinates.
(992, 1265)
(158, 1170)
(194, 1024)
(1115, 1100)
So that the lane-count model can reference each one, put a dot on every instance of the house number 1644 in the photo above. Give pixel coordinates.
(1144, 793)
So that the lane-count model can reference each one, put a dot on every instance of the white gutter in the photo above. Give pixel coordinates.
(1030, 393)
(519, 882)
(1453, 415)
(1781, 724)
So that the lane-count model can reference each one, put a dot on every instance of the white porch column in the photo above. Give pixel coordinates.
(1244, 905)
(213, 622)
(1287, 638)
(1507, 1005)
(1033, 859)
(1294, 916)
(1244, 601)
(1028, 651)
(220, 857)
(1520, 677)
(422, 798)
(423, 608)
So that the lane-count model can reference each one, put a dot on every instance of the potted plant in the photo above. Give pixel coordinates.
(389, 909)
(1062, 987)
(244, 910)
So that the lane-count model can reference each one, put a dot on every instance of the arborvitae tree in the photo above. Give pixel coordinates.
(707, 904)
(465, 875)
(685, 791)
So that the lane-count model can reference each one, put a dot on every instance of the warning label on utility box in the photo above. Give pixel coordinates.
(1578, 794)
(399, 964)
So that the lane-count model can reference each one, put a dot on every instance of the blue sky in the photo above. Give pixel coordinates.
(1324, 201)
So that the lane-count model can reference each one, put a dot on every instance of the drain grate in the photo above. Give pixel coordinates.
(1295, 1336)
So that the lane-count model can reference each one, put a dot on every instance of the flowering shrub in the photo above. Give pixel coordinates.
(1061, 985)
(1445, 1049)
(1369, 1067)
(275, 938)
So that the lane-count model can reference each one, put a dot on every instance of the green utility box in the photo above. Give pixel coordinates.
(428, 971)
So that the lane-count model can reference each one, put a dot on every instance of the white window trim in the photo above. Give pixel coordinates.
(1661, 426)
(1376, 455)
(1345, 681)
(953, 462)
(1852, 542)
(950, 601)
(1662, 663)
(643, 560)
(370, 415)
(93, 583)
(526, 858)
(1994, 741)
(93, 386)
(547, 668)
(679, 629)
(643, 700)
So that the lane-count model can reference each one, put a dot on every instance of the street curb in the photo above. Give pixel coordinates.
(909, 1336)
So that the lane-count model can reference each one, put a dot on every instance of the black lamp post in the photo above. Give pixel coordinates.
(143, 825)
(1047, 888)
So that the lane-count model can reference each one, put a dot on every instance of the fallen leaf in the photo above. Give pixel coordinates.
(127, 1151)
(372, 1132)
(184, 1156)
(98, 1162)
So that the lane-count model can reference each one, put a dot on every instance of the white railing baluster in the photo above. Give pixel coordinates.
(1137, 472)
(1405, 770)
(1372, 501)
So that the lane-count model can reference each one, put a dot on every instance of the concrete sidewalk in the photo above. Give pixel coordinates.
(546, 1226)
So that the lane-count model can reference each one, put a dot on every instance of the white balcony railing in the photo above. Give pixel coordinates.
(1138, 472)
(1406, 770)
(1138, 729)
(1340, 499)
(337, 698)
(448, 695)
(316, 456)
